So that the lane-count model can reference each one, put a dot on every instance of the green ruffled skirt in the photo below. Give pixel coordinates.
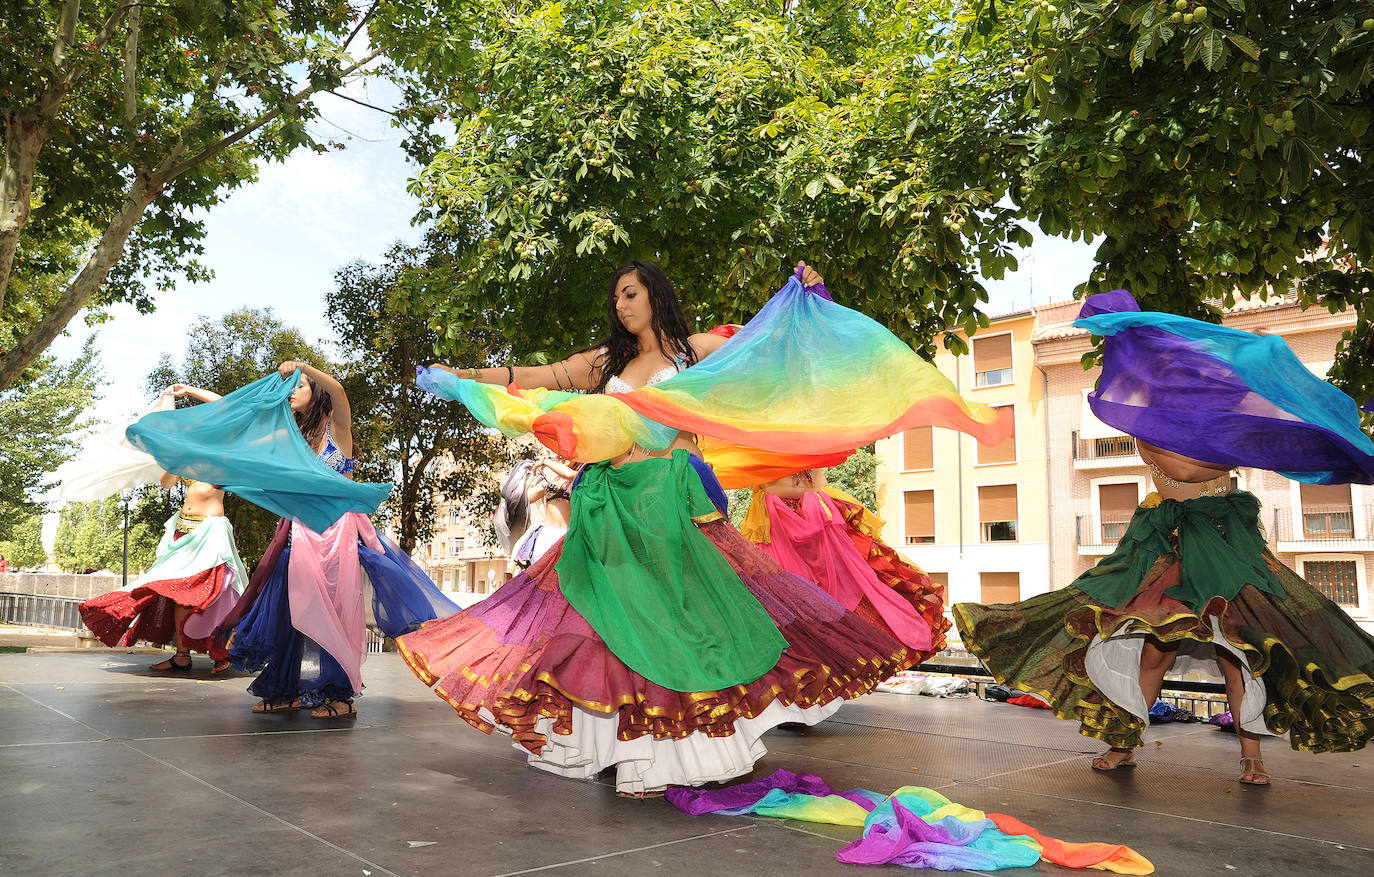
(1184, 571)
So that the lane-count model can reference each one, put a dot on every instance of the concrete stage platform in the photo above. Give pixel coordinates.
(109, 769)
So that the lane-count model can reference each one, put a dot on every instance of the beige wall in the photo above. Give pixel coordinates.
(958, 550)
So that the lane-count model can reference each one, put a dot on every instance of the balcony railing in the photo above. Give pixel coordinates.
(1324, 523)
(1104, 529)
(1103, 448)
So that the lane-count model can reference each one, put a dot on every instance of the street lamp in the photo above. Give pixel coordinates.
(124, 496)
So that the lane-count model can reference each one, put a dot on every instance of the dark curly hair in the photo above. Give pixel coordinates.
(669, 322)
(313, 420)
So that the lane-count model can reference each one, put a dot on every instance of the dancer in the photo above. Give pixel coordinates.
(193, 583)
(1191, 576)
(539, 495)
(827, 536)
(304, 625)
(551, 491)
(654, 638)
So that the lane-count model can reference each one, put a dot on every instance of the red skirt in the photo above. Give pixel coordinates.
(147, 612)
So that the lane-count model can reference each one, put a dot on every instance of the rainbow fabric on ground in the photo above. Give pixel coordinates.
(801, 385)
(915, 827)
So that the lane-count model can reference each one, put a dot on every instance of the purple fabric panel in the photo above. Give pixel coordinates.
(698, 801)
(907, 839)
(1113, 302)
(1161, 388)
(1368, 405)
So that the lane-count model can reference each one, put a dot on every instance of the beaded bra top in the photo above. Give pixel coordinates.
(618, 385)
(334, 458)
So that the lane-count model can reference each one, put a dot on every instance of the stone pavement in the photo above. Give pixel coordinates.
(109, 769)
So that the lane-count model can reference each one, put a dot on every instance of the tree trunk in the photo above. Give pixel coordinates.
(107, 254)
(411, 479)
(25, 133)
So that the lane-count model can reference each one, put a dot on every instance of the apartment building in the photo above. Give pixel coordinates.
(1096, 475)
(462, 557)
(972, 516)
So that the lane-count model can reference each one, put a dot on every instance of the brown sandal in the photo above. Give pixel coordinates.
(640, 796)
(1100, 763)
(1253, 766)
(264, 706)
(219, 667)
(334, 709)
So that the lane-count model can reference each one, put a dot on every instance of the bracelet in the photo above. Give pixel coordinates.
(510, 375)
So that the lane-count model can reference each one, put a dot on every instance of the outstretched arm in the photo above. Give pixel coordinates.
(179, 390)
(341, 421)
(581, 371)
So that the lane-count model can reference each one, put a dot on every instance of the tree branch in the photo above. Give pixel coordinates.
(214, 149)
(131, 65)
(362, 22)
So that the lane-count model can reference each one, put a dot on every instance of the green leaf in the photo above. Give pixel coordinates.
(813, 188)
(1213, 48)
(1245, 44)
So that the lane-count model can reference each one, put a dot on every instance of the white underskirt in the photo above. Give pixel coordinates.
(646, 764)
(1113, 665)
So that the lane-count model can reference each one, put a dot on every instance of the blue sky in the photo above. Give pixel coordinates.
(277, 243)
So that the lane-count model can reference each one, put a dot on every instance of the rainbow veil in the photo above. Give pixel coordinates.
(1222, 395)
(799, 386)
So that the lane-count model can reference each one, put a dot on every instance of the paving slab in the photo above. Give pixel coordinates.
(113, 769)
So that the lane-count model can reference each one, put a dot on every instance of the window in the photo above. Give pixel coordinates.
(918, 451)
(992, 361)
(454, 546)
(997, 512)
(453, 516)
(941, 580)
(1117, 503)
(1006, 451)
(1000, 587)
(462, 542)
(1334, 578)
(920, 516)
(1326, 511)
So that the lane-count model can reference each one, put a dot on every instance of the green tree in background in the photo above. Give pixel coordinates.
(1220, 147)
(124, 121)
(41, 417)
(1219, 150)
(24, 548)
(90, 536)
(401, 433)
(222, 355)
(724, 142)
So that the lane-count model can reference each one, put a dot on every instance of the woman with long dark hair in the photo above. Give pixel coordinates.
(654, 638)
(304, 621)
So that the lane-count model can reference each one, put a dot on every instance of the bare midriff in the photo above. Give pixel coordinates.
(1182, 478)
